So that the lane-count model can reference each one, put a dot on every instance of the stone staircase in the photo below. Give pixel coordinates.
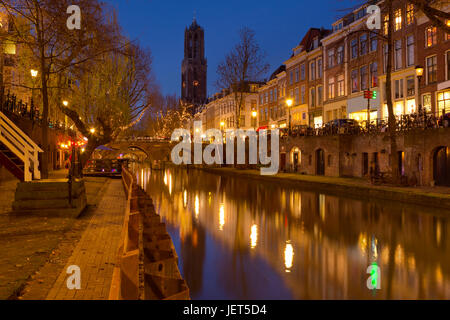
(50, 198)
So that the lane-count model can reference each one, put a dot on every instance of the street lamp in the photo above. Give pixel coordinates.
(254, 116)
(34, 74)
(289, 103)
(92, 130)
(419, 74)
(65, 103)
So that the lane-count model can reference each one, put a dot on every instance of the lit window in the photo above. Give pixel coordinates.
(430, 36)
(331, 88)
(341, 85)
(409, 14)
(9, 47)
(398, 19)
(386, 24)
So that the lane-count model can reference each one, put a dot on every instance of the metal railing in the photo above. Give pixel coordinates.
(18, 108)
(424, 121)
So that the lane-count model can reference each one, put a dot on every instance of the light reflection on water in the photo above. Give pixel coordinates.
(243, 239)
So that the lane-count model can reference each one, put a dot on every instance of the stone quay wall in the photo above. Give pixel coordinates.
(348, 155)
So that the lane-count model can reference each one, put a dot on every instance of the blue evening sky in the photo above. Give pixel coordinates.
(279, 26)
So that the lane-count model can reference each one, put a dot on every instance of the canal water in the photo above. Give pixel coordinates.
(242, 239)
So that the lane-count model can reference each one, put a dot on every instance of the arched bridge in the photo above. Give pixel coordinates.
(145, 148)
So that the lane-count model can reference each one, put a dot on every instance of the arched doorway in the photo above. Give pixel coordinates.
(296, 158)
(320, 162)
(441, 166)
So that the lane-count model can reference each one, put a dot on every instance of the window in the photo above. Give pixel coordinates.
(291, 93)
(386, 24)
(291, 77)
(409, 14)
(312, 97)
(9, 47)
(296, 75)
(354, 80)
(364, 75)
(354, 48)
(398, 89)
(302, 72)
(398, 19)
(373, 41)
(319, 68)
(431, 69)
(330, 58)
(374, 75)
(261, 99)
(267, 97)
(426, 101)
(271, 96)
(430, 37)
(443, 102)
(410, 86)
(303, 94)
(340, 54)
(331, 88)
(410, 50)
(319, 95)
(312, 71)
(398, 54)
(341, 85)
(297, 98)
(275, 94)
(363, 44)
(385, 58)
(447, 35)
(448, 64)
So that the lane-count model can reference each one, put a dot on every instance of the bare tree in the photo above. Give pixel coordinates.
(431, 9)
(244, 63)
(41, 26)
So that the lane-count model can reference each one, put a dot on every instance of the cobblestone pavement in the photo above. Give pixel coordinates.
(96, 252)
(28, 243)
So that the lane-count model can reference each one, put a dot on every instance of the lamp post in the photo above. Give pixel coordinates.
(289, 103)
(65, 104)
(34, 74)
(254, 116)
(419, 74)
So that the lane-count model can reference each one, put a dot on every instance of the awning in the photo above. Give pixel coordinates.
(262, 128)
(104, 148)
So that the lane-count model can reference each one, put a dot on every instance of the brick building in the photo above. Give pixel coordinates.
(304, 77)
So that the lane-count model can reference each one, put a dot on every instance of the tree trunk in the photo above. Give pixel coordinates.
(393, 158)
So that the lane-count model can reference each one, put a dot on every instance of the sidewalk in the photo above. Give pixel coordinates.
(436, 197)
(96, 252)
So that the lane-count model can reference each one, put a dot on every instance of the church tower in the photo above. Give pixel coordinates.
(194, 67)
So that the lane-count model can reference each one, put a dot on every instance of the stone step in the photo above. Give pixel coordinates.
(48, 195)
(48, 185)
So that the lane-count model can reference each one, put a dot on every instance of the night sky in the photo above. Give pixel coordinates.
(279, 26)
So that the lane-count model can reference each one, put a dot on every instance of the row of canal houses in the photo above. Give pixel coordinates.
(329, 70)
